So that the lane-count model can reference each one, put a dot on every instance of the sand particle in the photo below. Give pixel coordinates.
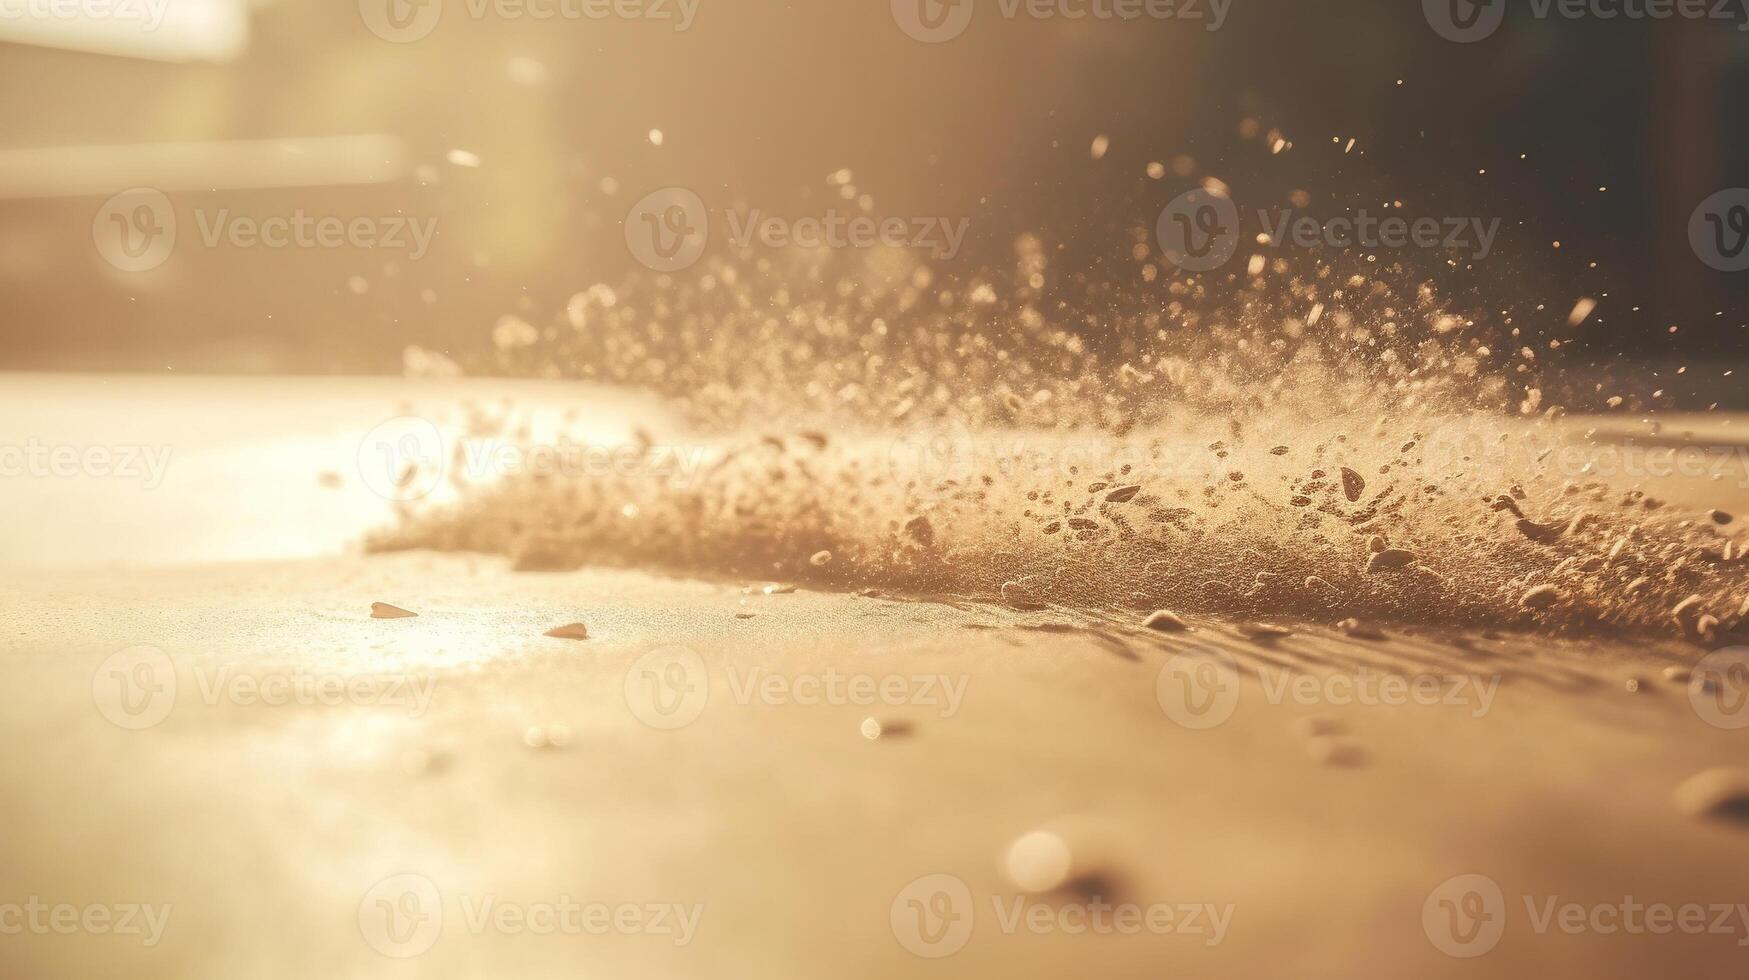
(1165, 621)
(1541, 597)
(1389, 560)
(1717, 794)
(1353, 485)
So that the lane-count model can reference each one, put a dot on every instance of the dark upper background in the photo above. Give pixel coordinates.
(759, 101)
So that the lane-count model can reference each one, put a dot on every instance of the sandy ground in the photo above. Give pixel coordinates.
(292, 788)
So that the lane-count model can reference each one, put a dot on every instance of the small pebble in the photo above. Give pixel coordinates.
(1353, 485)
(572, 631)
(1039, 861)
(1021, 595)
(874, 729)
(1677, 675)
(1720, 517)
(1541, 597)
(1355, 628)
(1388, 560)
(1264, 631)
(1331, 750)
(1717, 794)
(1165, 621)
(820, 559)
(547, 737)
(1319, 725)
(382, 610)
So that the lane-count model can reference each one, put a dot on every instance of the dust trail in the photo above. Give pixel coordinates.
(1277, 440)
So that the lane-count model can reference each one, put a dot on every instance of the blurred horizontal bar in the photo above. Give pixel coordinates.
(158, 30)
(72, 171)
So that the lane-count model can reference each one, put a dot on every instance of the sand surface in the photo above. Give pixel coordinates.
(714, 764)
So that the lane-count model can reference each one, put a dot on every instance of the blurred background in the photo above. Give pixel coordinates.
(522, 140)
